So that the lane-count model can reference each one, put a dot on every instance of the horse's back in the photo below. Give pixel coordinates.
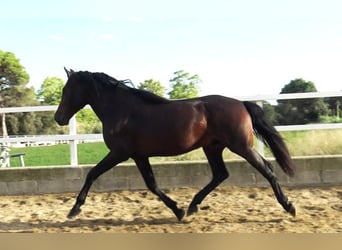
(219, 98)
(226, 117)
(222, 104)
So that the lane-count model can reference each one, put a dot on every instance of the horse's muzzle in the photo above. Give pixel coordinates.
(61, 120)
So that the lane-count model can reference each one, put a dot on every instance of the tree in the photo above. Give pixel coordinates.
(12, 73)
(88, 122)
(14, 92)
(300, 111)
(50, 91)
(334, 105)
(184, 85)
(3, 120)
(13, 80)
(270, 112)
(153, 86)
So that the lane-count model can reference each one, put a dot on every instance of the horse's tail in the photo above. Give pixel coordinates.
(270, 136)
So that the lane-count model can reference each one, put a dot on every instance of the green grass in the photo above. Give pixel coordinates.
(300, 143)
(314, 142)
(88, 153)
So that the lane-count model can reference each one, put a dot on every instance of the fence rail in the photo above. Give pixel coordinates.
(74, 138)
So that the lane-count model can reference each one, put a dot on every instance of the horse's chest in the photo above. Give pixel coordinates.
(116, 128)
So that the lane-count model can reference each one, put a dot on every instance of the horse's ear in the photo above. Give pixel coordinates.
(69, 72)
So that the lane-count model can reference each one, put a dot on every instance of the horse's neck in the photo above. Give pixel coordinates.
(111, 104)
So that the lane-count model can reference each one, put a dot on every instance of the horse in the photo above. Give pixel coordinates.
(138, 124)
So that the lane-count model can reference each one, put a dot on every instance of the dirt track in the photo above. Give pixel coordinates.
(228, 209)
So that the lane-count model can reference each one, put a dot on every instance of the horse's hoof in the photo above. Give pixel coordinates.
(180, 214)
(74, 211)
(192, 210)
(292, 210)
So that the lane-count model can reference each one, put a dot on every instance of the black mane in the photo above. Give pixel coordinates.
(110, 82)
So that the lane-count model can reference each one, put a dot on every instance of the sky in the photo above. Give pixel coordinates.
(238, 48)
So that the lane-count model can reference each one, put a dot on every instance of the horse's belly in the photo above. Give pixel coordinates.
(173, 142)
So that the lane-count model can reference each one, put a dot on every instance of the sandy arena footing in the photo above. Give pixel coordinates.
(227, 209)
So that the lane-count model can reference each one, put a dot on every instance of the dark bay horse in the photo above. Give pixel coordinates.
(138, 125)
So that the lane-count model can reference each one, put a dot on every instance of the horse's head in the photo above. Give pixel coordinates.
(73, 98)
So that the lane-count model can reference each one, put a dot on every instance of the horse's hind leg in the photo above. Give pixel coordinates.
(145, 169)
(219, 171)
(266, 169)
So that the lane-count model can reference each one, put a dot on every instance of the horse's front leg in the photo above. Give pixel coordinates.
(145, 169)
(111, 160)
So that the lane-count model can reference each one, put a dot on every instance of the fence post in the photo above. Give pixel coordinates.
(73, 143)
(260, 144)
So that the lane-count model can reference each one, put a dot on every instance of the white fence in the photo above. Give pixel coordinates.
(73, 137)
